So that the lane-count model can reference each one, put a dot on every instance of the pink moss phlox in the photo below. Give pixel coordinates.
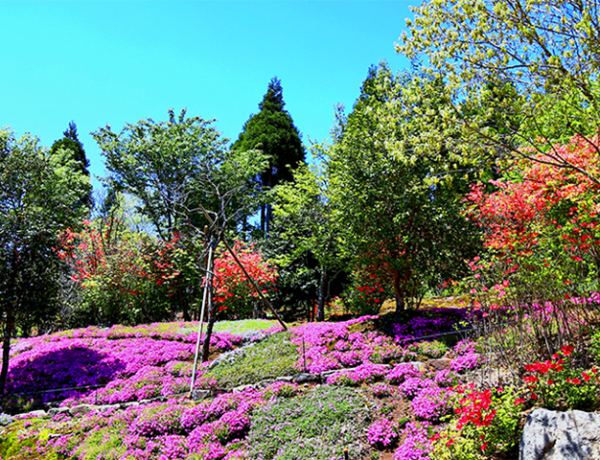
(401, 372)
(416, 445)
(364, 373)
(412, 386)
(431, 403)
(382, 433)
(330, 346)
(382, 390)
(445, 377)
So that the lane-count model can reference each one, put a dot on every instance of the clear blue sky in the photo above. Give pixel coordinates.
(113, 63)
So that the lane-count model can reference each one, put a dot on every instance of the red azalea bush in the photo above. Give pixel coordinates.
(233, 291)
(366, 294)
(484, 422)
(558, 384)
(125, 277)
(541, 224)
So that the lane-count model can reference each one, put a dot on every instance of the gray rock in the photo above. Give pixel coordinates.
(107, 407)
(81, 409)
(438, 364)
(307, 378)
(326, 374)
(58, 410)
(419, 366)
(551, 435)
(241, 388)
(125, 405)
(197, 395)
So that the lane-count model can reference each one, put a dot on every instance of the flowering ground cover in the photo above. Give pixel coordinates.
(374, 400)
(116, 364)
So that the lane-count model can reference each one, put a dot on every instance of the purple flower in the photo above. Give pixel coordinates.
(431, 403)
(413, 386)
(382, 433)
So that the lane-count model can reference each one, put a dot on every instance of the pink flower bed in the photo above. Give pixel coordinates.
(148, 361)
(130, 363)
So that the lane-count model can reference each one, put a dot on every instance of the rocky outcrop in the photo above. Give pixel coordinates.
(551, 435)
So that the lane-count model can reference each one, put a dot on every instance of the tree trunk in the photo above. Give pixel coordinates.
(211, 315)
(183, 304)
(8, 329)
(321, 298)
(399, 293)
(262, 218)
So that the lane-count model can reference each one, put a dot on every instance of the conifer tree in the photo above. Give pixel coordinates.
(273, 132)
(71, 142)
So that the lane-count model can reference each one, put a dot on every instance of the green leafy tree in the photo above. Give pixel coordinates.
(38, 199)
(187, 182)
(272, 131)
(157, 163)
(398, 222)
(309, 224)
(71, 142)
(545, 52)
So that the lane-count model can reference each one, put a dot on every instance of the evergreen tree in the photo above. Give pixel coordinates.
(273, 132)
(71, 142)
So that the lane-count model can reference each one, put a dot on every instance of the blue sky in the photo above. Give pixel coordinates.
(113, 63)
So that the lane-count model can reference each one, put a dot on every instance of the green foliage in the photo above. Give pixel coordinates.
(272, 357)
(176, 165)
(103, 443)
(541, 57)
(39, 197)
(595, 346)
(21, 436)
(434, 349)
(399, 222)
(304, 220)
(70, 142)
(317, 426)
(272, 131)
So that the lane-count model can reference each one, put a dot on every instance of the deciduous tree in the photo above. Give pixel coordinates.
(546, 51)
(397, 220)
(39, 195)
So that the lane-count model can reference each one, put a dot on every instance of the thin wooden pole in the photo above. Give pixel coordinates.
(256, 288)
(200, 326)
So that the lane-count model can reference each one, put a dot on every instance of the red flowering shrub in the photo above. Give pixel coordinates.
(366, 294)
(125, 278)
(233, 291)
(543, 226)
(557, 384)
(485, 422)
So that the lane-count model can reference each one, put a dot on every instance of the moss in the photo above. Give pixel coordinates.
(318, 425)
(105, 443)
(273, 357)
(19, 439)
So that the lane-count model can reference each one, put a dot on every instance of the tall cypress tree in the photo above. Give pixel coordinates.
(71, 142)
(272, 131)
